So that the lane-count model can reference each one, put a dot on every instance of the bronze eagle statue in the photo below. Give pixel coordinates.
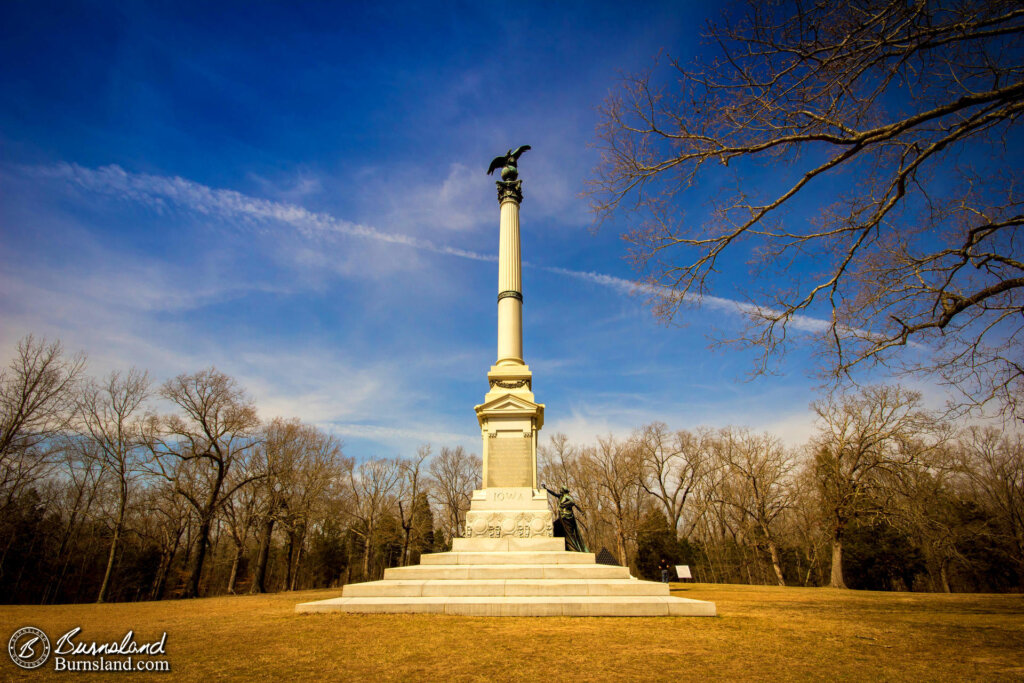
(507, 163)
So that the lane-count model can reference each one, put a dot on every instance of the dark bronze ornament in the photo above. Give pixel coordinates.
(510, 385)
(512, 189)
(507, 163)
(509, 187)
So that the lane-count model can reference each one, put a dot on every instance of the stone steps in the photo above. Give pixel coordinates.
(511, 576)
(507, 571)
(504, 587)
(512, 606)
(509, 557)
(507, 543)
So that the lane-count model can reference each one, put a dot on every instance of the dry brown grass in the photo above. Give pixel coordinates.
(761, 633)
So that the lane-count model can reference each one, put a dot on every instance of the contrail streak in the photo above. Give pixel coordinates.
(161, 191)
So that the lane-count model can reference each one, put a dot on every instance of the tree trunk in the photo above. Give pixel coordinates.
(837, 564)
(157, 589)
(366, 553)
(166, 560)
(944, 575)
(776, 564)
(298, 560)
(192, 588)
(206, 521)
(234, 568)
(259, 579)
(810, 565)
(620, 544)
(105, 586)
(290, 557)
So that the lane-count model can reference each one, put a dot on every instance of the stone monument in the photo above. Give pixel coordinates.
(508, 562)
(509, 504)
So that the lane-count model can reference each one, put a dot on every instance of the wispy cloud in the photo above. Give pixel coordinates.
(161, 191)
(409, 436)
(405, 201)
(802, 323)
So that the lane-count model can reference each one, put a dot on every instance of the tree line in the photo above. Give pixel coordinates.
(105, 498)
(102, 498)
(885, 496)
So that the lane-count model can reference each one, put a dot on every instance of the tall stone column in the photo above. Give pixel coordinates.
(510, 282)
(510, 503)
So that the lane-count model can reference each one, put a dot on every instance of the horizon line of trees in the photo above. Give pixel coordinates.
(104, 499)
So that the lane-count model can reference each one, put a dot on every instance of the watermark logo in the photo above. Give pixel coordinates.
(29, 647)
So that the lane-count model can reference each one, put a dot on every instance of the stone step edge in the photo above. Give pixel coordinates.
(545, 581)
(506, 571)
(532, 565)
(516, 557)
(518, 606)
(538, 587)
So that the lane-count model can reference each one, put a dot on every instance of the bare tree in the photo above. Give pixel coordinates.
(240, 515)
(271, 457)
(215, 433)
(557, 461)
(899, 121)
(297, 465)
(79, 491)
(803, 521)
(36, 402)
(615, 469)
(755, 483)
(993, 463)
(562, 463)
(862, 441)
(106, 412)
(372, 485)
(314, 462)
(673, 464)
(930, 507)
(454, 474)
(411, 489)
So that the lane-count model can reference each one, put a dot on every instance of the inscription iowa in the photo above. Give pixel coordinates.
(509, 461)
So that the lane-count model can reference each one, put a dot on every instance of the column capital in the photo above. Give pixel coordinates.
(510, 189)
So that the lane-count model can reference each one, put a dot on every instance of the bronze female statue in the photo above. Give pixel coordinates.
(567, 520)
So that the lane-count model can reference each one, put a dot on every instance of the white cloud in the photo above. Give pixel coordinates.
(407, 439)
(291, 188)
(158, 191)
(414, 205)
(798, 322)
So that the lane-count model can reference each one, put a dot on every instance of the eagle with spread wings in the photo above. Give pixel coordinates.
(507, 163)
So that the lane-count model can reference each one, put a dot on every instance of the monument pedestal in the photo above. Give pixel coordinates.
(520, 513)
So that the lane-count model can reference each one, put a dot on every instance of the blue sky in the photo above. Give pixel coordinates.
(297, 196)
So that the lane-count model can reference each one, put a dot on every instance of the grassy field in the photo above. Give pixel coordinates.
(761, 633)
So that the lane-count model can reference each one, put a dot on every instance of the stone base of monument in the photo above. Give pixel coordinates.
(509, 576)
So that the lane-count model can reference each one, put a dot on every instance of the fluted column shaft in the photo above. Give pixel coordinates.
(510, 287)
